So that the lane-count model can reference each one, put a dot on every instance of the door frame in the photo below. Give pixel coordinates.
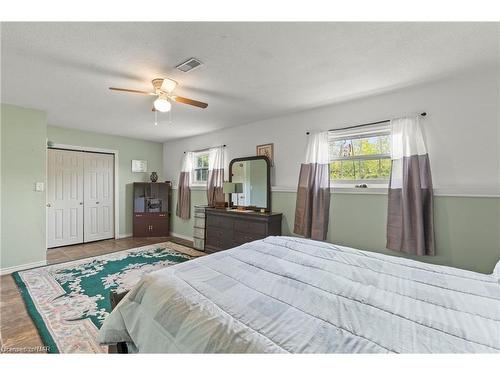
(62, 146)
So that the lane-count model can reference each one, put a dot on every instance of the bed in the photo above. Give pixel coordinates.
(292, 295)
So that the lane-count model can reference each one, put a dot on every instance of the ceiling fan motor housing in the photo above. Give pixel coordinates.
(157, 82)
(164, 84)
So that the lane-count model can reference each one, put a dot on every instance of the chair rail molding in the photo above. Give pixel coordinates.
(438, 192)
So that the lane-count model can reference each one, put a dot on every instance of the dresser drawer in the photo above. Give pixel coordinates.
(225, 230)
(219, 222)
(199, 222)
(214, 234)
(214, 244)
(240, 238)
(251, 227)
(199, 232)
(199, 244)
(220, 238)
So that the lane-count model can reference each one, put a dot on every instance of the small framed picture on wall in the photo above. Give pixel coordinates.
(266, 150)
(139, 165)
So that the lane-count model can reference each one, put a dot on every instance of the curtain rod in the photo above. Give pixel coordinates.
(206, 149)
(423, 114)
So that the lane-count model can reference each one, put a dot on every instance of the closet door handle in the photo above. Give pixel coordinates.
(49, 205)
(96, 202)
(81, 203)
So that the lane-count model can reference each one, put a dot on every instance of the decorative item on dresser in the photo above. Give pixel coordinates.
(249, 188)
(151, 209)
(153, 177)
(226, 229)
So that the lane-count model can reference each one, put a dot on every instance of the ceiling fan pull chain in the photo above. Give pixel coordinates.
(156, 118)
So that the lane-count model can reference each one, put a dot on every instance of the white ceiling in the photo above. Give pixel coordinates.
(251, 71)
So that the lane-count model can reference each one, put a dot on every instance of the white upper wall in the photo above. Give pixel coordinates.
(251, 70)
(462, 130)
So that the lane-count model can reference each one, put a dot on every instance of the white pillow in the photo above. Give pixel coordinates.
(496, 271)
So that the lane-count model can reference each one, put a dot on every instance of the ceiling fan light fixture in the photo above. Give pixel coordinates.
(168, 85)
(162, 105)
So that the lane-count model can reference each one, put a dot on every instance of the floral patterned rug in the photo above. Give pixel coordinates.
(69, 301)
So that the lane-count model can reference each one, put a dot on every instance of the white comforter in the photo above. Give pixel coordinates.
(285, 294)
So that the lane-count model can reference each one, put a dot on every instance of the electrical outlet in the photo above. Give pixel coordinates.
(39, 186)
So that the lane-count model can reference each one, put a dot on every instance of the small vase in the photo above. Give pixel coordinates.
(153, 177)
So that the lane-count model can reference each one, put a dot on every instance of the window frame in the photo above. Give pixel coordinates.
(350, 134)
(193, 180)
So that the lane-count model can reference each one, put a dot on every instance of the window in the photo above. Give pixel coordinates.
(199, 175)
(361, 155)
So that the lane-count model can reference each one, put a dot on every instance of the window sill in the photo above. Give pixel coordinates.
(352, 184)
(198, 187)
(348, 189)
(378, 187)
(192, 187)
(339, 189)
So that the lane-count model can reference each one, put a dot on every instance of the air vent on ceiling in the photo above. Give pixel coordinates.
(189, 65)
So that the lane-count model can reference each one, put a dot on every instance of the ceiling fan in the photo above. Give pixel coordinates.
(163, 90)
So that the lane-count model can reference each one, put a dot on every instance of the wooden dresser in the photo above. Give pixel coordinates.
(227, 229)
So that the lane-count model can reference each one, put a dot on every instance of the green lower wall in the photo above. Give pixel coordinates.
(128, 149)
(467, 229)
(23, 156)
(185, 227)
(24, 134)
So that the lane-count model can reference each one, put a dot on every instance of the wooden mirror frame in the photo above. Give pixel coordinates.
(268, 170)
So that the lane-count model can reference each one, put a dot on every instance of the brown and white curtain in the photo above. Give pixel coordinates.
(215, 179)
(313, 192)
(183, 209)
(410, 223)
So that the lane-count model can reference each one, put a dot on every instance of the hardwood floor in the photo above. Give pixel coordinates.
(16, 327)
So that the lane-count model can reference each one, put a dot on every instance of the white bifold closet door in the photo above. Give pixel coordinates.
(64, 197)
(98, 197)
(80, 200)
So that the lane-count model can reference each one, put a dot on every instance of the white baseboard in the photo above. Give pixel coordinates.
(184, 237)
(9, 270)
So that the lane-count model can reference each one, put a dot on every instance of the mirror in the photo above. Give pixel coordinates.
(251, 179)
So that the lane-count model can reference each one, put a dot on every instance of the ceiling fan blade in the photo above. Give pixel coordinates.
(196, 103)
(133, 91)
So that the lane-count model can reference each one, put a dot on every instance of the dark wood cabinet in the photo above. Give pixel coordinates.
(151, 209)
(227, 229)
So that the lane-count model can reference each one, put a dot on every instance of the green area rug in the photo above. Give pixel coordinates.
(69, 301)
